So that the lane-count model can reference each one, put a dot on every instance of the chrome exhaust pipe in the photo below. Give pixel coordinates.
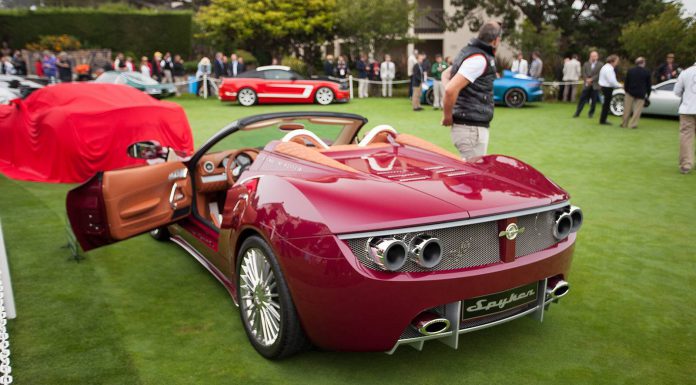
(428, 323)
(426, 251)
(562, 226)
(389, 253)
(577, 217)
(557, 288)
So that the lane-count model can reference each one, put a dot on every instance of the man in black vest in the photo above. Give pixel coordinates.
(468, 103)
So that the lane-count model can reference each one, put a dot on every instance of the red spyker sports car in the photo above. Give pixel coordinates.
(360, 244)
(279, 84)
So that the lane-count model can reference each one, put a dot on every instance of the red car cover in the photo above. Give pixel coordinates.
(68, 132)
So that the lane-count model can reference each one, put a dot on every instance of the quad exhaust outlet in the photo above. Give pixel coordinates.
(556, 288)
(426, 251)
(389, 253)
(429, 323)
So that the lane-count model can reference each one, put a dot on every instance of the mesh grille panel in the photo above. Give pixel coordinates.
(462, 246)
(537, 235)
(471, 245)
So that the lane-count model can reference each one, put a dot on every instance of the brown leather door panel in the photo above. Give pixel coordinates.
(143, 198)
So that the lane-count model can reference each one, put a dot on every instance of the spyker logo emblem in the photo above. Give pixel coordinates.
(511, 231)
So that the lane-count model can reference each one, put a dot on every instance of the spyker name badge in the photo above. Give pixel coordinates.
(511, 231)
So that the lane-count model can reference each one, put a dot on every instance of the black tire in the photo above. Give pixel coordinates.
(430, 96)
(616, 106)
(290, 338)
(161, 234)
(515, 98)
(247, 97)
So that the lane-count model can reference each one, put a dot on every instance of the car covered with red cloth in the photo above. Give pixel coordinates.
(67, 132)
(280, 84)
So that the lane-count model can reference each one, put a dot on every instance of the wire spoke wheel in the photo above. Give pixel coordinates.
(260, 303)
(617, 105)
(324, 96)
(246, 97)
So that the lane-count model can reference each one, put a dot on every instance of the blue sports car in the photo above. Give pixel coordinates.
(513, 90)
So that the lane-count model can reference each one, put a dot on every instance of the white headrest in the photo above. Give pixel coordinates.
(376, 131)
(303, 132)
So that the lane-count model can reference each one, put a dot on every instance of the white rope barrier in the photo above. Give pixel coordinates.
(6, 297)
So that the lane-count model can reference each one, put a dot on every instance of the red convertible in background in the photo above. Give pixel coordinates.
(279, 84)
(364, 244)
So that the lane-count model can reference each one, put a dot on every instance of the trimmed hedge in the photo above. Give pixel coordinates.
(138, 31)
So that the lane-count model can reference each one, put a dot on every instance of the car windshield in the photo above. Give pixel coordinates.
(107, 77)
(666, 87)
(332, 130)
(137, 77)
(281, 75)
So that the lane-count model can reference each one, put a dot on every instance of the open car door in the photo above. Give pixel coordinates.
(116, 205)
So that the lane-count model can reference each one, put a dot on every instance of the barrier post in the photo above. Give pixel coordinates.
(205, 86)
(350, 85)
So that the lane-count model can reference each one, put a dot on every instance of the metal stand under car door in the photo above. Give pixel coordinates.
(116, 205)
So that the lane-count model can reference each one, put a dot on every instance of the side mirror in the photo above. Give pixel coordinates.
(293, 78)
(150, 149)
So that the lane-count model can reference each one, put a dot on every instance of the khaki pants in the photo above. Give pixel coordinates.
(471, 141)
(362, 88)
(569, 92)
(687, 130)
(438, 93)
(416, 96)
(633, 107)
(386, 88)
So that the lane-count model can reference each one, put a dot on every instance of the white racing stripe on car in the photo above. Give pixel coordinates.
(308, 88)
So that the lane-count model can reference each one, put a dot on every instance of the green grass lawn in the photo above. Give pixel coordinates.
(146, 312)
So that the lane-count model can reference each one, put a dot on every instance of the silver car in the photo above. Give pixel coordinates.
(662, 100)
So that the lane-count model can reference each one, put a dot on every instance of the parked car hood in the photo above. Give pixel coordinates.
(415, 187)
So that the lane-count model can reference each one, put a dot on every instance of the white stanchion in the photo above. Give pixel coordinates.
(7, 310)
(350, 85)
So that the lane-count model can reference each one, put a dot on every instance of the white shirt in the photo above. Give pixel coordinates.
(387, 70)
(520, 66)
(571, 70)
(473, 67)
(686, 89)
(145, 70)
(607, 77)
(411, 62)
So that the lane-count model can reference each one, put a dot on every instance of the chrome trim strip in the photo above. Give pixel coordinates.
(463, 222)
(214, 178)
(212, 269)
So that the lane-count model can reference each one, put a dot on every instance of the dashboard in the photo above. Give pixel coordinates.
(212, 169)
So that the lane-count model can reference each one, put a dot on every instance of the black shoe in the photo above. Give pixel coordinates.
(684, 170)
(590, 116)
(576, 115)
(418, 109)
(605, 123)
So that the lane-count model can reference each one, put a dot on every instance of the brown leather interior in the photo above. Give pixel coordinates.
(414, 141)
(309, 154)
(137, 199)
(207, 191)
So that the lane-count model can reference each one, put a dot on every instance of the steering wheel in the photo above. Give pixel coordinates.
(235, 166)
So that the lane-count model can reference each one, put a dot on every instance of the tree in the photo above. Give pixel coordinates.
(374, 25)
(664, 33)
(582, 24)
(268, 27)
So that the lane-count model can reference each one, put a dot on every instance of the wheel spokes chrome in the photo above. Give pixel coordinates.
(260, 303)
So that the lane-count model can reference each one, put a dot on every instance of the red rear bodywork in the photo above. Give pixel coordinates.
(304, 211)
